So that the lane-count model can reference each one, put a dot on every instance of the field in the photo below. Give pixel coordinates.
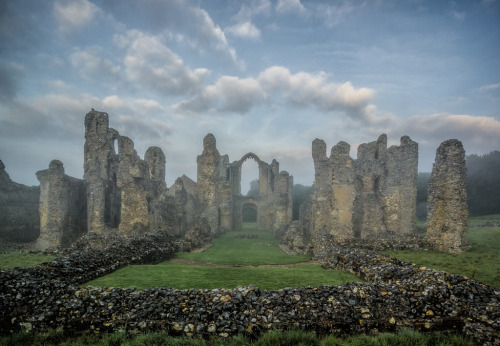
(229, 263)
(482, 262)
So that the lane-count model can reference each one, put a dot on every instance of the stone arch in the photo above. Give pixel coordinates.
(250, 203)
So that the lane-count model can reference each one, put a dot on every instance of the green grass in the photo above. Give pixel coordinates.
(272, 337)
(482, 262)
(181, 276)
(229, 250)
(21, 259)
(226, 265)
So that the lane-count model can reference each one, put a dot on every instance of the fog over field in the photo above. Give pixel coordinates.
(264, 76)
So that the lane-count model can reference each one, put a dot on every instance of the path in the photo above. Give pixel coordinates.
(209, 264)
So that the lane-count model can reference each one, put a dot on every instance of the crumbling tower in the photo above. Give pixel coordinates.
(100, 173)
(447, 202)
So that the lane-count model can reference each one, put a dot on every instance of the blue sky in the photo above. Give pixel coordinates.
(264, 76)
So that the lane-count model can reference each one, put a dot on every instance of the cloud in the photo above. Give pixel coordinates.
(143, 131)
(290, 6)
(457, 15)
(304, 89)
(10, 73)
(244, 30)
(475, 129)
(73, 15)
(90, 64)
(228, 94)
(163, 17)
(490, 87)
(235, 95)
(149, 62)
(334, 14)
(253, 8)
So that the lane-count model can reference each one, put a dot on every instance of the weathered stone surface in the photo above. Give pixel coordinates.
(371, 197)
(19, 218)
(219, 188)
(100, 173)
(198, 234)
(62, 208)
(447, 201)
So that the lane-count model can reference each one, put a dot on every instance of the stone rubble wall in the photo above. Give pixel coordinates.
(397, 295)
(19, 218)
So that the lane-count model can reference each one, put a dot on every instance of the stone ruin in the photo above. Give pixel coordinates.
(371, 198)
(371, 201)
(124, 194)
(219, 188)
(447, 203)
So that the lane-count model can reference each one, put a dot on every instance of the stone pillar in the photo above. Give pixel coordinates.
(343, 191)
(133, 181)
(208, 180)
(447, 202)
(400, 195)
(370, 182)
(62, 207)
(100, 163)
(282, 201)
(323, 194)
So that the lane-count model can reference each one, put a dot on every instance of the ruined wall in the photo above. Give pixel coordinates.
(181, 206)
(212, 186)
(219, 191)
(400, 195)
(19, 219)
(373, 196)
(62, 208)
(447, 202)
(100, 173)
(124, 192)
(370, 182)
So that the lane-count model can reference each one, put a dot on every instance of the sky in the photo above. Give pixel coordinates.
(263, 76)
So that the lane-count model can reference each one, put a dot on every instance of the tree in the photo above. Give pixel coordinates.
(300, 194)
(254, 189)
(483, 183)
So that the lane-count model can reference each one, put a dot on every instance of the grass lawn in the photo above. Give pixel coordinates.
(482, 262)
(22, 259)
(182, 276)
(229, 263)
(229, 250)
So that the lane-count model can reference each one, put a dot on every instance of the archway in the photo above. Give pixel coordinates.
(249, 212)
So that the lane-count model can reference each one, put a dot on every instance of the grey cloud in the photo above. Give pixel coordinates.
(178, 15)
(9, 76)
(91, 64)
(235, 95)
(151, 63)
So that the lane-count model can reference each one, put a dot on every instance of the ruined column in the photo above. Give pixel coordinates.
(323, 194)
(447, 202)
(343, 191)
(370, 182)
(100, 164)
(282, 201)
(62, 207)
(133, 181)
(400, 195)
(208, 180)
